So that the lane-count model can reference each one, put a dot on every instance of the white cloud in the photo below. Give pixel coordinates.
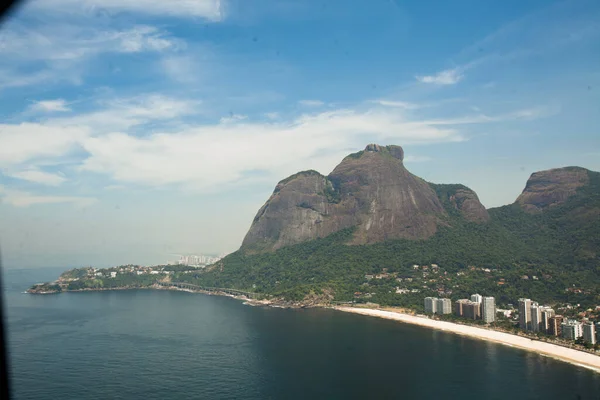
(233, 118)
(37, 176)
(311, 103)
(209, 156)
(60, 51)
(399, 104)
(72, 42)
(447, 77)
(19, 198)
(122, 114)
(49, 106)
(272, 115)
(180, 68)
(210, 10)
(27, 141)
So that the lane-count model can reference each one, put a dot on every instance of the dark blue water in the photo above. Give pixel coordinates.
(174, 345)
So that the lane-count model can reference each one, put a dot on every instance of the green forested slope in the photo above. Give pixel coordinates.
(560, 246)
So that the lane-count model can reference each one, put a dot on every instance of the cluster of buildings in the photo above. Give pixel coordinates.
(126, 269)
(478, 307)
(536, 318)
(433, 305)
(194, 260)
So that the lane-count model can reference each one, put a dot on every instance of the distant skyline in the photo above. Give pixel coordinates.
(134, 129)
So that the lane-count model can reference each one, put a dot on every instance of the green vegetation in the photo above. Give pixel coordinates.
(332, 192)
(551, 256)
(297, 174)
(559, 247)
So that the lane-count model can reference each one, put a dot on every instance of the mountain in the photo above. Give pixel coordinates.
(371, 191)
(550, 188)
(358, 233)
(325, 234)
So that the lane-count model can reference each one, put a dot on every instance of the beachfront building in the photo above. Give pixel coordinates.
(476, 298)
(536, 317)
(467, 308)
(458, 307)
(555, 325)
(443, 306)
(589, 333)
(547, 313)
(430, 305)
(572, 329)
(525, 314)
(488, 309)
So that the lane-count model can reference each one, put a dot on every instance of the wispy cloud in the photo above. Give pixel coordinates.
(399, 104)
(56, 52)
(23, 142)
(49, 106)
(71, 42)
(311, 103)
(210, 10)
(543, 31)
(37, 176)
(20, 198)
(108, 142)
(447, 77)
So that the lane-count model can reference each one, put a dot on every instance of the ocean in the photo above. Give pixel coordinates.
(145, 344)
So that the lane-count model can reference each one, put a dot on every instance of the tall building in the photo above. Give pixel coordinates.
(472, 310)
(525, 314)
(572, 329)
(547, 313)
(536, 316)
(430, 305)
(555, 325)
(459, 307)
(488, 309)
(476, 298)
(443, 306)
(589, 333)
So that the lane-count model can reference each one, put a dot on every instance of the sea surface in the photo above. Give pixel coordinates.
(144, 344)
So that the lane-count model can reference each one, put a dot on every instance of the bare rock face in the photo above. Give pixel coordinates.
(550, 188)
(370, 190)
(467, 202)
(387, 201)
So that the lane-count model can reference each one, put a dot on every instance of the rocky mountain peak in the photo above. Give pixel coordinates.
(370, 190)
(552, 187)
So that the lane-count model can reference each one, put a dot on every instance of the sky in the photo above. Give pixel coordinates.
(132, 131)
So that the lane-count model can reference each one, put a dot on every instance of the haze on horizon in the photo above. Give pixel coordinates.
(135, 130)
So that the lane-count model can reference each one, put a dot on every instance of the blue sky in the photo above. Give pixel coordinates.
(135, 130)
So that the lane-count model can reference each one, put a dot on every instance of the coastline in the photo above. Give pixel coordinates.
(571, 356)
(561, 353)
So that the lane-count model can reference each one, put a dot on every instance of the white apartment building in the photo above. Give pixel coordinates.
(488, 309)
(572, 329)
(525, 314)
(476, 298)
(589, 333)
(443, 306)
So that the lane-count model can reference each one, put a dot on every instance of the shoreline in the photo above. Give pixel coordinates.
(565, 354)
(554, 351)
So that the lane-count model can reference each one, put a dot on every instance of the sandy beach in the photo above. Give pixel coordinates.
(572, 356)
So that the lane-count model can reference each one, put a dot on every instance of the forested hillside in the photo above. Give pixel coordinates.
(540, 255)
